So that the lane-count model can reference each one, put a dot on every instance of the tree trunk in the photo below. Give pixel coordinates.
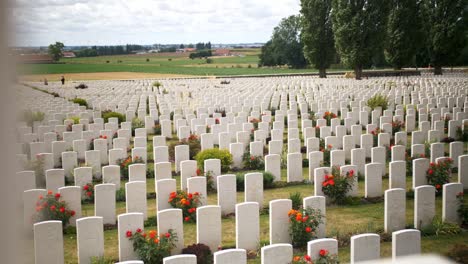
(437, 70)
(322, 73)
(358, 72)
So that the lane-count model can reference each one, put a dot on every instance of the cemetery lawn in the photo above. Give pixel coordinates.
(342, 223)
(158, 66)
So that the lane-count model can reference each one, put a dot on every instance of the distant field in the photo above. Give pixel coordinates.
(166, 63)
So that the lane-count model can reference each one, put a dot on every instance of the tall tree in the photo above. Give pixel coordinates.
(285, 46)
(447, 33)
(56, 50)
(359, 29)
(404, 32)
(317, 34)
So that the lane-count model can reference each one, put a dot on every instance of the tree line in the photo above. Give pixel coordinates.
(364, 33)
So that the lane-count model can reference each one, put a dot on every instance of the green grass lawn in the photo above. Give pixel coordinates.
(164, 64)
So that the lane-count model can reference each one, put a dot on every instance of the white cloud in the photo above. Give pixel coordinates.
(87, 22)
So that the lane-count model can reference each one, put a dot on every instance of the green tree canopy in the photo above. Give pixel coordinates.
(285, 46)
(317, 33)
(404, 32)
(56, 50)
(359, 30)
(447, 34)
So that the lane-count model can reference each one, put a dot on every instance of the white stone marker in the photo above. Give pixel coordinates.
(277, 254)
(317, 203)
(397, 178)
(314, 247)
(406, 242)
(424, 205)
(135, 196)
(69, 162)
(30, 198)
(188, 168)
(137, 172)
(273, 165)
(279, 221)
(182, 153)
(247, 225)
(420, 167)
(230, 256)
(26, 180)
(253, 188)
(55, 178)
(294, 167)
(198, 184)
(450, 203)
(463, 170)
(181, 259)
(395, 210)
(128, 222)
(163, 190)
(90, 238)
(72, 196)
(227, 196)
(104, 202)
(171, 219)
(365, 247)
(48, 242)
(373, 180)
(319, 177)
(111, 174)
(93, 159)
(214, 167)
(209, 226)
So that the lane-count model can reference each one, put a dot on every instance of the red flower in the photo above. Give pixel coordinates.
(104, 137)
(351, 173)
(325, 184)
(168, 235)
(430, 171)
(72, 213)
(432, 164)
(307, 257)
(308, 229)
(57, 195)
(323, 252)
(52, 208)
(49, 192)
(41, 197)
(62, 209)
(196, 193)
(331, 182)
(187, 219)
(86, 187)
(129, 233)
(138, 230)
(252, 158)
(329, 146)
(437, 186)
(198, 172)
(89, 194)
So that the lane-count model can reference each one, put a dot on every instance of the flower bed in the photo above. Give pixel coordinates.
(336, 186)
(51, 207)
(125, 163)
(150, 247)
(188, 202)
(303, 224)
(438, 174)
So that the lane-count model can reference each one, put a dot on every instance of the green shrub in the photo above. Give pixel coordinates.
(221, 154)
(202, 252)
(240, 182)
(209, 61)
(378, 100)
(296, 199)
(108, 114)
(30, 117)
(120, 195)
(268, 179)
(438, 227)
(76, 119)
(137, 123)
(80, 101)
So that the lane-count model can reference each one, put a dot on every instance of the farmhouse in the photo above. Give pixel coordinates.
(69, 54)
(222, 52)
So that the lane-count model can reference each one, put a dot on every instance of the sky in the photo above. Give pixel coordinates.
(118, 22)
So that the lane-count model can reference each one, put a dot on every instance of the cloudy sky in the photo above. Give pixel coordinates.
(117, 22)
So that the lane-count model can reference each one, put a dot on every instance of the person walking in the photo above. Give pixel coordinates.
(62, 80)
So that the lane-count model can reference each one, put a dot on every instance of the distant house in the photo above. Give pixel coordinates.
(222, 52)
(35, 58)
(68, 54)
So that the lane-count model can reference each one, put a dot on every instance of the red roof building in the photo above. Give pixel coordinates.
(222, 52)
